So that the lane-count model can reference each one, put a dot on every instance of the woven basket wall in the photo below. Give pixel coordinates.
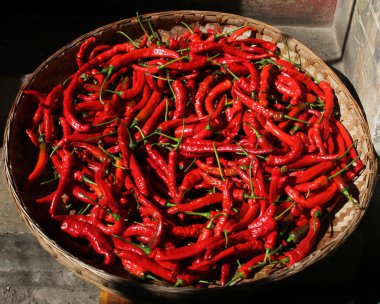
(17, 156)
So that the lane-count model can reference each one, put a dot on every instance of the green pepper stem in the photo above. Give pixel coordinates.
(129, 38)
(344, 168)
(218, 161)
(296, 119)
(145, 249)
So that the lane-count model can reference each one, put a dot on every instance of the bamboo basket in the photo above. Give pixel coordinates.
(18, 159)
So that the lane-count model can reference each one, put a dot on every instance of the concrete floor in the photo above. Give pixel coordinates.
(29, 274)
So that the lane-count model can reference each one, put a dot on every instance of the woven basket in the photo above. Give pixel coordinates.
(17, 156)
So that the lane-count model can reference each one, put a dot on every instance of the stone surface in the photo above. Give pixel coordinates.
(361, 61)
(28, 273)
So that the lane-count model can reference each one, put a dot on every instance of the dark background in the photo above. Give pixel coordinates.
(31, 32)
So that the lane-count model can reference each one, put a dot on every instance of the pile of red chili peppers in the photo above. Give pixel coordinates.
(194, 161)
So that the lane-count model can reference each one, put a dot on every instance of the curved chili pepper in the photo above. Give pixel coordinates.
(271, 47)
(245, 269)
(265, 75)
(138, 175)
(124, 143)
(83, 49)
(150, 106)
(239, 32)
(303, 176)
(255, 106)
(48, 123)
(148, 265)
(264, 224)
(210, 199)
(240, 250)
(152, 122)
(215, 170)
(328, 97)
(274, 185)
(290, 69)
(136, 54)
(87, 231)
(307, 244)
(159, 220)
(180, 99)
(219, 89)
(318, 199)
(318, 183)
(172, 174)
(137, 86)
(41, 164)
(68, 106)
(203, 89)
(64, 181)
(196, 62)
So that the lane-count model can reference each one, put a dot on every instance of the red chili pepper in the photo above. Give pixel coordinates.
(290, 69)
(255, 106)
(98, 49)
(152, 122)
(96, 152)
(136, 54)
(191, 231)
(41, 164)
(158, 217)
(210, 199)
(195, 63)
(191, 178)
(64, 181)
(180, 253)
(180, 99)
(150, 106)
(292, 84)
(203, 89)
(215, 170)
(83, 49)
(84, 195)
(319, 199)
(307, 244)
(124, 143)
(320, 182)
(104, 56)
(68, 106)
(328, 97)
(245, 269)
(137, 86)
(254, 79)
(271, 47)
(264, 224)
(274, 185)
(148, 265)
(240, 250)
(239, 32)
(172, 174)
(89, 232)
(248, 217)
(138, 175)
(219, 89)
(303, 176)
(265, 75)
(55, 93)
(349, 145)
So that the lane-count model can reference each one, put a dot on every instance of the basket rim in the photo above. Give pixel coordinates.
(42, 237)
